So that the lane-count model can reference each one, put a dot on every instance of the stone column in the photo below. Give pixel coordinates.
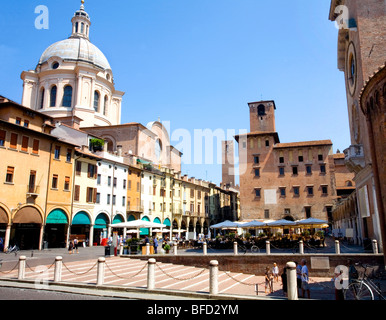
(101, 271)
(337, 247)
(213, 277)
(58, 269)
(268, 247)
(205, 248)
(301, 247)
(375, 246)
(291, 281)
(7, 236)
(91, 236)
(21, 273)
(235, 251)
(151, 274)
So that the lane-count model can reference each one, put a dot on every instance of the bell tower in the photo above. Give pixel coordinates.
(262, 116)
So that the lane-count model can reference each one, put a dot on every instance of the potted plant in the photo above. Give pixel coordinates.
(167, 248)
(97, 144)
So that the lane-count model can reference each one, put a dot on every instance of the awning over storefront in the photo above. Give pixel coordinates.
(118, 219)
(28, 215)
(57, 216)
(101, 221)
(81, 218)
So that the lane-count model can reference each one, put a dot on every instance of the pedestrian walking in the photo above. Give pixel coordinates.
(155, 244)
(284, 282)
(275, 272)
(70, 247)
(268, 280)
(76, 243)
(305, 279)
(298, 277)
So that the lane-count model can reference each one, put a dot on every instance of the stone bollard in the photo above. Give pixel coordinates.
(301, 247)
(21, 273)
(268, 247)
(235, 248)
(101, 271)
(375, 246)
(58, 269)
(147, 249)
(151, 274)
(213, 277)
(205, 248)
(175, 249)
(121, 250)
(291, 281)
(337, 247)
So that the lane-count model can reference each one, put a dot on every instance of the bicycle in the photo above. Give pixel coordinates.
(14, 249)
(363, 289)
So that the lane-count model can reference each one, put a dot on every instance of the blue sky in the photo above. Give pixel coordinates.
(197, 63)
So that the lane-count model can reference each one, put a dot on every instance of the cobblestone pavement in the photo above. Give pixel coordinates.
(133, 273)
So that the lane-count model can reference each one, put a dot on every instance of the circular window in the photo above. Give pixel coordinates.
(55, 65)
(351, 69)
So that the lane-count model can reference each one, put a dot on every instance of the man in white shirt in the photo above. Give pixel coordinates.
(305, 279)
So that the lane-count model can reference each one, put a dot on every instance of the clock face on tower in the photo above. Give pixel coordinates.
(351, 69)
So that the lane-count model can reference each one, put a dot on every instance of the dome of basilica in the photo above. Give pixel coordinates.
(76, 49)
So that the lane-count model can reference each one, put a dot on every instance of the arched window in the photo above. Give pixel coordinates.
(41, 105)
(96, 100)
(105, 106)
(76, 27)
(67, 97)
(261, 110)
(82, 28)
(53, 96)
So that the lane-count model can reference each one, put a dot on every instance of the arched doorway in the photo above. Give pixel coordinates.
(81, 226)
(55, 232)
(100, 228)
(26, 228)
(3, 228)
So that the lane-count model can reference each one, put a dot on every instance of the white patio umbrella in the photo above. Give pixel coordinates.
(225, 225)
(161, 230)
(281, 223)
(253, 224)
(311, 222)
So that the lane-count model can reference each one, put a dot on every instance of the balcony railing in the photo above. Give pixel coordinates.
(33, 190)
(135, 208)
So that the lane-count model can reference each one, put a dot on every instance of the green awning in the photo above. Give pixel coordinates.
(118, 219)
(167, 222)
(145, 231)
(57, 216)
(101, 221)
(157, 220)
(143, 161)
(81, 218)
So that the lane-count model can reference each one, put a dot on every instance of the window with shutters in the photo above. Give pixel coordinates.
(35, 146)
(13, 143)
(77, 193)
(92, 171)
(24, 144)
(9, 176)
(78, 169)
(67, 183)
(2, 138)
(54, 181)
(57, 153)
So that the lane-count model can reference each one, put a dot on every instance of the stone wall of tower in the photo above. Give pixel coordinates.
(228, 163)
(262, 116)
